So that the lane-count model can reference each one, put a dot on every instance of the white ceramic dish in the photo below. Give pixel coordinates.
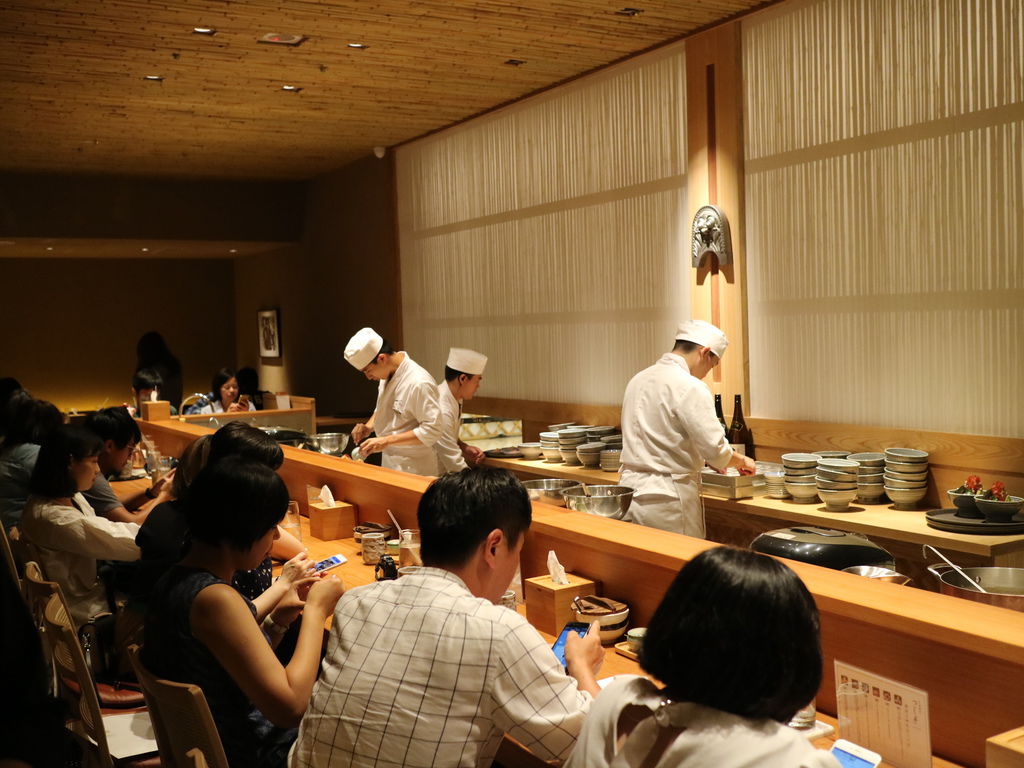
(837, 500)
(911, 455)
(800, 460)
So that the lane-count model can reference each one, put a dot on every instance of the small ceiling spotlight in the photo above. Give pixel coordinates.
(379, 152)
(154, 78)
(358, 46)
(280, 38)
(291, 88)
(145, 250)
(208, 31)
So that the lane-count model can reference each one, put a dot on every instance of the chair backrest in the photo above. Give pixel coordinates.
(38, 591)
(8, 555)
(196, 758)
(70, 664)
(181, 718)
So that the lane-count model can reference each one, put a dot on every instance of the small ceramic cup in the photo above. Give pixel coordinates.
(635, 638)
(508, 600)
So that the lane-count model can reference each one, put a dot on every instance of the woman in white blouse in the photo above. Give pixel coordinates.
(224, 389)
(69, 536)
(735, 640)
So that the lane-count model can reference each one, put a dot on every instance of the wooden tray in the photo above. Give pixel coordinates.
(624, 649)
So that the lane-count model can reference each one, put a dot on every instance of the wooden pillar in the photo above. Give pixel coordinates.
(714, 98)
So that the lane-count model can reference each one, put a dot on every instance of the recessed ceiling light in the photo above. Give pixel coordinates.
(291, 88)
(631, 12)
(280, 38)
(204, 31)
(49, 247)
(145, 250)
(515, 62)
(154, 78)
(358, 46)
(233, 250)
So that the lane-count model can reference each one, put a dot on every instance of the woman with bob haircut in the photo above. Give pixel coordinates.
(735, 641)
(200, 630)
(224, 394)
(68, 534)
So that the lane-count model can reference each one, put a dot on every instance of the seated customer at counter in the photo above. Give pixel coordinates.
(28, 423)
(735, 642)
(224, 395)
(427, 670)
(146, 386)
(69, 535)
(200, 630)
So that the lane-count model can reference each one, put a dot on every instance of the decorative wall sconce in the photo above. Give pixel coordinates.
(710, 234)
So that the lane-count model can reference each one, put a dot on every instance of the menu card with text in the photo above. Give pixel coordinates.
(883, 715)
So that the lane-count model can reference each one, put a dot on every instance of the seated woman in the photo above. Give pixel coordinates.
(68, 534)
(735, 641)
(224, 393)
(200, 630)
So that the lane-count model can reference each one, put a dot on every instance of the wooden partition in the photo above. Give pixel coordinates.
(300, 418)
(968, 656)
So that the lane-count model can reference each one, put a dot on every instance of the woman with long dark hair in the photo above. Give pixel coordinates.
(225, 396)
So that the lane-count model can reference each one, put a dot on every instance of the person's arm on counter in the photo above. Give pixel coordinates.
(132, 509)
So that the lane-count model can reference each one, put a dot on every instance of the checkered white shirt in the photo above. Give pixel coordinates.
(420, 673)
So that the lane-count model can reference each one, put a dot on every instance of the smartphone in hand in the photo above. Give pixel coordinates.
(579, 628)
(851, 755)
(328, 563)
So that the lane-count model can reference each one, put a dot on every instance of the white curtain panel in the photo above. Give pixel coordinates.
(884, 197)
(552, 235)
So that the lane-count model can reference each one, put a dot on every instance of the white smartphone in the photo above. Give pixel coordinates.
(850, 755)
(331, 562)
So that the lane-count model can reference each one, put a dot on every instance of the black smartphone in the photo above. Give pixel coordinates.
(559, 647)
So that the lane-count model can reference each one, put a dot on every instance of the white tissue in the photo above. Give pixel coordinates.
(326, 496)
(555, 569)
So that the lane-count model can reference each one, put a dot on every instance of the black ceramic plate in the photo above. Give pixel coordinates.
(948, 520)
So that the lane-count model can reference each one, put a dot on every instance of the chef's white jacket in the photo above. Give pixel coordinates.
(669, 429)
(408, 400)
(447, 448)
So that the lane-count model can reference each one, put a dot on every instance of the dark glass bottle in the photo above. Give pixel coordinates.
(740, 436)
(720, 415)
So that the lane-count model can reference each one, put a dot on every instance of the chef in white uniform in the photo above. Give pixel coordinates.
(462, 376)
(669, 431)
(407, 419)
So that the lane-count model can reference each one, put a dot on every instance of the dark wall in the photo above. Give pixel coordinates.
(44, 205)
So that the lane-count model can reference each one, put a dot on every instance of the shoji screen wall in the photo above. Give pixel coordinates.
(551, 235)
(885, 213)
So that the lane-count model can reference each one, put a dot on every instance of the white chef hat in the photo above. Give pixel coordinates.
(703, 333)
(363, 347)
(466, 361)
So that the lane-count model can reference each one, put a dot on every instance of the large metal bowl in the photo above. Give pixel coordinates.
(602, 500)
(549, 490)
(332, 443)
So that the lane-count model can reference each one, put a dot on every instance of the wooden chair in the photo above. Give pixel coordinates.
(181, 718)
(196, 759)
(8, 555)
(110, 740)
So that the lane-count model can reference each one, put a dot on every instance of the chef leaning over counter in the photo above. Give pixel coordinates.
(462, 376)
(407, 419)
(669, 430)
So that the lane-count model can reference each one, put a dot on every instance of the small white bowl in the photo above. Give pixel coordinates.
(613, 625)
(837, 476)
(530, 450)
(838, 465)
(868, 459)
(800, 460)
(910, 455)
(896, 482)
(801, 472)
(834, 486)
(907, 477)
(837, 501)
(905, 498)
(906, 467)
(803, 493)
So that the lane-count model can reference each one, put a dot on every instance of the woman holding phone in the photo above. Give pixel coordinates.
(224, 391)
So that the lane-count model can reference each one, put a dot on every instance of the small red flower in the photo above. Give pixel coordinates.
(973, 483)
(998, 491)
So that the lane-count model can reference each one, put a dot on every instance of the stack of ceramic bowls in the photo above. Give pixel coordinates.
(612, 441)
(589, 454)
(869, 476)
(596, 433)
(837, 483)
(556, 427)
(610, 459)
(549, 447)
(799, 479)
(906, 476)
(568, 440)
(831, 454)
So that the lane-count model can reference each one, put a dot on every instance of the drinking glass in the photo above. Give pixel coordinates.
(409, 547)
(292, 522)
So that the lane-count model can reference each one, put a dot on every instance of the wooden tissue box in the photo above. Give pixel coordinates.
(155, 410)
(549, 606)
(331, 522)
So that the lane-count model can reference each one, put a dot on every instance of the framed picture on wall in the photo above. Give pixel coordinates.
(269, 332)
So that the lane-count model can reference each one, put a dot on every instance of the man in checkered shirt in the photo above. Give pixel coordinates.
(427, 671)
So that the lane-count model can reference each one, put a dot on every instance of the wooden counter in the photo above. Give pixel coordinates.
(968, 656)
(738, 522)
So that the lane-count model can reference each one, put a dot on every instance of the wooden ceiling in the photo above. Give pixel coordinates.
(75, 98)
